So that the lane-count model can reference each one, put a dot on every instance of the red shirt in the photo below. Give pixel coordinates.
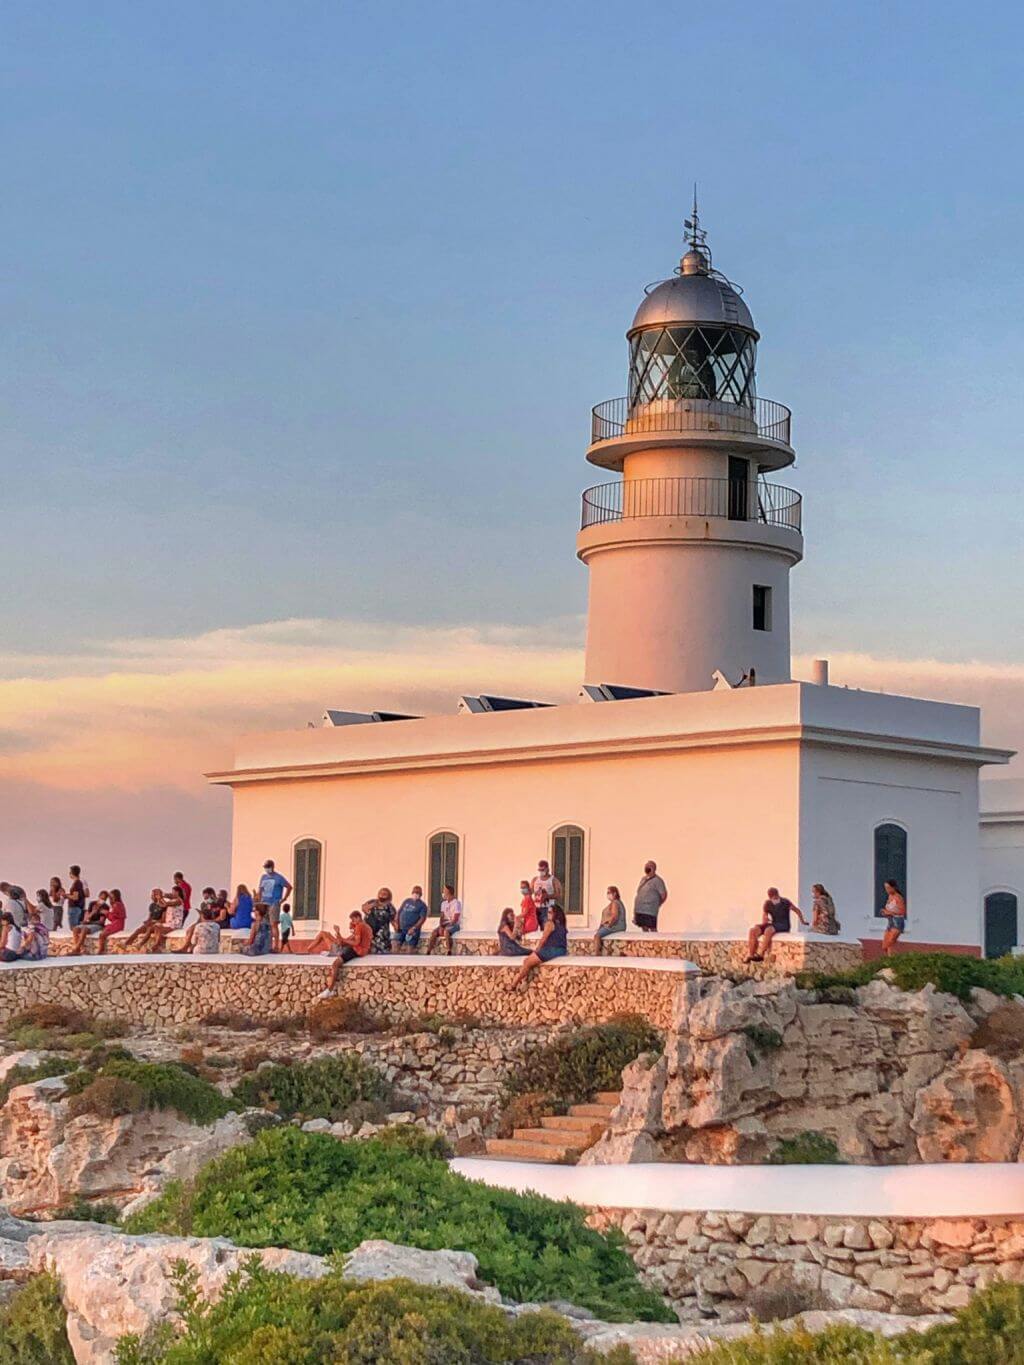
(185, 892)
(115, 917)
(361, 939)
(529, 913)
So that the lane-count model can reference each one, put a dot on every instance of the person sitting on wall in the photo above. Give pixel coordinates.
(114, 922)
(526, 921)
(776, 918)
(327, 940)
(11, 937)
(173, 920)
(261, 940)
(239, 912)
(613, 920)
(380, 916)
(35, 942)
(149, 929)
(346, 950)
(554, 942)
(509, 944)
(208, 902)
(412, 915)
(895, 910)
(651, 895)
(91, 924)
(449, 922)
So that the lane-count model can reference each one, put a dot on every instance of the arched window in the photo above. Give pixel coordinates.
(890, 862)
(1000, 923)
(307, 862)
(567, 865)
(442, 868)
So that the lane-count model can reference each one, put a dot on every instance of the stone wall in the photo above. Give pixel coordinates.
(721, 1264)
(890, 1076)
(168, 991)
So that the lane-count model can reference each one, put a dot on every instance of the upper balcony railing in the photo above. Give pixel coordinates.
(733, 500)
(615, 418)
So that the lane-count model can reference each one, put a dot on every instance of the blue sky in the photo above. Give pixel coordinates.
(304, 306)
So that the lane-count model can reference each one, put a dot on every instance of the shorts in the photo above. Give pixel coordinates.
(8, 956)
(643, 920)
(410, 936)
(92, 927)
(346, 952)
(449, 928)
(897, 922)
(763, 928)
(285, 935)
(605, 930)
(274, 912)
(549, 954)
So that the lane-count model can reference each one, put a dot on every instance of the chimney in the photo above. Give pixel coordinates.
(819, 672)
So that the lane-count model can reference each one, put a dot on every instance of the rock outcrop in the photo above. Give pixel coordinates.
(889, 1075)
(50, 1158)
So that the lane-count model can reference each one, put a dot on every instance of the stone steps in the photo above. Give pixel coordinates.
(561, 1137)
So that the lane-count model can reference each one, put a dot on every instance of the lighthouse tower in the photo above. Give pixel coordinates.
(689, 552)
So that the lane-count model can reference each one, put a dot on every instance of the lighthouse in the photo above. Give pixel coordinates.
(689, 550)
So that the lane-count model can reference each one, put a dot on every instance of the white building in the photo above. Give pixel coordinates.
(691, 743)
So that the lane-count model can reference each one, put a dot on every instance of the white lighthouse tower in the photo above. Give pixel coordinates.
(689, 552)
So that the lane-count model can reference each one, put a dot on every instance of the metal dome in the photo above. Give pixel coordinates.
(688, 299)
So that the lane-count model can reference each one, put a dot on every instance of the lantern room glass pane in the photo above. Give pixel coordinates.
(713, 363)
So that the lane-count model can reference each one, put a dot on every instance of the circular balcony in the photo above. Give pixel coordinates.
(770, 504)
(764, 429)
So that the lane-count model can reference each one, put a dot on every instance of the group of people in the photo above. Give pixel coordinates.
(26, 925)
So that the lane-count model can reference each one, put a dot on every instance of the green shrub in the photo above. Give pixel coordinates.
(321, 1089)
(33, 1325)
(953, 973)
(108, 1097)
(342, 1014)
(310, 1192)
(266, 1318)
(123, 1086)
(60, 1026)
(24, 1075)
(838, 1345)
(806, 1149)
(573, 1067)
(81, 1211)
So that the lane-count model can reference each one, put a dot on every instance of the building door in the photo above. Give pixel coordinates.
(306, 880)
(739, 488)
(1000, 923)
(442, 869)
(567, 865)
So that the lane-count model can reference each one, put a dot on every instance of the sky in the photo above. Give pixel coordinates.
(303, 308)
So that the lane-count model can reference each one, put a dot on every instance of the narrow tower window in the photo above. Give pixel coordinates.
(762, 607)
(443, 868)
(890, 862)
(567, 865)
(306, 879)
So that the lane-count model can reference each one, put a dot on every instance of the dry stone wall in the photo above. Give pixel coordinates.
(168, 991)
(723, 1264)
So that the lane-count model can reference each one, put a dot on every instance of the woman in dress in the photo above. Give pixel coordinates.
(554, 942)
(381, 915)
(823, 911)
(613, 919)
(241, 908)
(259, 934)
(527, 909)
(895, 911)
(508, 935)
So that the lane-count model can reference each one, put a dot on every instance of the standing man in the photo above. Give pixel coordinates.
(776, 918)
(184, 890)
(412, 915)
(273, 887)
(76, 897)
(547, 882)
(651, 895)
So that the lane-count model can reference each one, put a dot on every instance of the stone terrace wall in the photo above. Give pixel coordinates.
(169, 991)
(718, 1263)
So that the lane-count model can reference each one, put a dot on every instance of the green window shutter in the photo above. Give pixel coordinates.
(306, 879)
(567, 865)
(443, 868)
(890, 862)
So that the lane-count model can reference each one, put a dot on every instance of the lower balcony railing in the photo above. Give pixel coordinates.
(731, 499)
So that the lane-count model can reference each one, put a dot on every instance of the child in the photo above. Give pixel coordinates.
(286, 925)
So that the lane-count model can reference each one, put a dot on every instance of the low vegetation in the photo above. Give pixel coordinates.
(33, 1325)
(313, 1193)
(324, 1088)
(990, 1331)
(266, 1318)
(576, 1065)
(25, 1075)
(954, 973)
(806, 1149)
(60, 1028)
